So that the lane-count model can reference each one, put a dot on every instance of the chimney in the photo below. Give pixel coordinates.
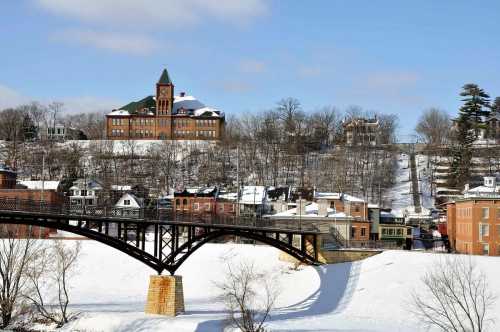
(323, 206)
(183, 94)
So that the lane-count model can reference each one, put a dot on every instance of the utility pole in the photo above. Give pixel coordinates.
(238, 181)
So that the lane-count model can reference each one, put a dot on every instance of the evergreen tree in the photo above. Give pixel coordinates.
(29, 129)
(461, 152)
(476, 105)
(495, 107)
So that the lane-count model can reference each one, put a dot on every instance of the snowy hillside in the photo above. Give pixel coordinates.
(369, 295)
(399, 197)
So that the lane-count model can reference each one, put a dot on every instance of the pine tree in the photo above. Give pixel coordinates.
(462, 153)
(476, 105)
(495, 107)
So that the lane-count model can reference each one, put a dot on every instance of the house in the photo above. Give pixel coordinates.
(61, 132)
(165, 116)
(197, 201)
(253, 201)
(8, 177)
(473, 224)
(128, 205)
(341, 202)
(344, 228)
(84, 194)
(227, 204)
(361, 131)
(31, 194)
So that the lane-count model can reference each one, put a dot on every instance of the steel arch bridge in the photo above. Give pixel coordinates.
(162, 245)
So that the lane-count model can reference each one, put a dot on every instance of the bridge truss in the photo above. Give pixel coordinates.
(161, 244)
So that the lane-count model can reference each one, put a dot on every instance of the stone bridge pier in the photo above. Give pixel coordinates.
(165, 295)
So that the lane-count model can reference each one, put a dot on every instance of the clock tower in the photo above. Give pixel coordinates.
(164, 95)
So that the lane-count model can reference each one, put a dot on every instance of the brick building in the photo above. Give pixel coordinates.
(165, 116)
(27, 193)
(473, 221)
(7, 178)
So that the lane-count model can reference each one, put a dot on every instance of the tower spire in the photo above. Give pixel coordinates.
(164, 78)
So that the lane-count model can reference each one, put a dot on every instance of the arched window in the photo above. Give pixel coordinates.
(177, 202)
(184, 201)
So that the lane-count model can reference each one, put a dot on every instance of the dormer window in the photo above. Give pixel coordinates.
(126, 202)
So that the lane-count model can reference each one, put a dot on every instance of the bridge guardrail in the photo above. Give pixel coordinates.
(146, 214)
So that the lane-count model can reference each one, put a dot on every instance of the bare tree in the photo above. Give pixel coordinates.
(15, 256)
(54, 109)
(248, 310)
(455, 297)
(50, 274)
(434, 126)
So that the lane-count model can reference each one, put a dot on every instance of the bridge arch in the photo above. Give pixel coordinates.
(170, 247)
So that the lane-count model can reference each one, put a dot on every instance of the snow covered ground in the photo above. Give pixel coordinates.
(399, 197)
(370, 295)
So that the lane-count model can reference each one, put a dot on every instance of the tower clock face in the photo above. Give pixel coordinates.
(163, 93)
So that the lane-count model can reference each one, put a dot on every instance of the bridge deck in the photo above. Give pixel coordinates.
(282, 226)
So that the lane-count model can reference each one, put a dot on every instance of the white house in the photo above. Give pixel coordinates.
(128, 206)
(84, 193)
(253, 201)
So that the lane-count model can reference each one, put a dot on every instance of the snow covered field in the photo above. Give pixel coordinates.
(370, 295)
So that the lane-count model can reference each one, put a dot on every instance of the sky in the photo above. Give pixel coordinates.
(387, 56)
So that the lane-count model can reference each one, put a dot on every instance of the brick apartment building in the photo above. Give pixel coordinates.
(165, 116)
(473, 222)
(27, 192)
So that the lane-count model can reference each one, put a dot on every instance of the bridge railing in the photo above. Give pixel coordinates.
(153, 215)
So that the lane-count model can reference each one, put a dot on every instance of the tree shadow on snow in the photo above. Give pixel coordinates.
(337, 285)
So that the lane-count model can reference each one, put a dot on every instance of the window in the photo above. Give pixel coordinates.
(484, 230)
(399, 231)
(486, 249)
(486, 213)
(207, 207)
(408, 231)
(83, 193)
(184, 201)
(363, 231)
(177, 202)
(356, 208)
(90, 201)
(126, 202)
(353, 232)
(384, 231)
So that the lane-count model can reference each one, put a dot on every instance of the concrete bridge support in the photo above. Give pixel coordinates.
(165, 295)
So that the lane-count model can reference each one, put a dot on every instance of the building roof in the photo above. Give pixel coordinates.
(148, 102)
(90, 185)
(190, 104)
(37, 185)
(253, 195)
(165, 78)
(135, 202)
(312, 210)
(339, 196)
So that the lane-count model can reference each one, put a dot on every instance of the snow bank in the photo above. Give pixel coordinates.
(369, 295)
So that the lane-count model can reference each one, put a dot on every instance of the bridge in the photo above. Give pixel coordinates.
(150, 237)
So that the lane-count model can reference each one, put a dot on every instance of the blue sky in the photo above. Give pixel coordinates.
(243, 56)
